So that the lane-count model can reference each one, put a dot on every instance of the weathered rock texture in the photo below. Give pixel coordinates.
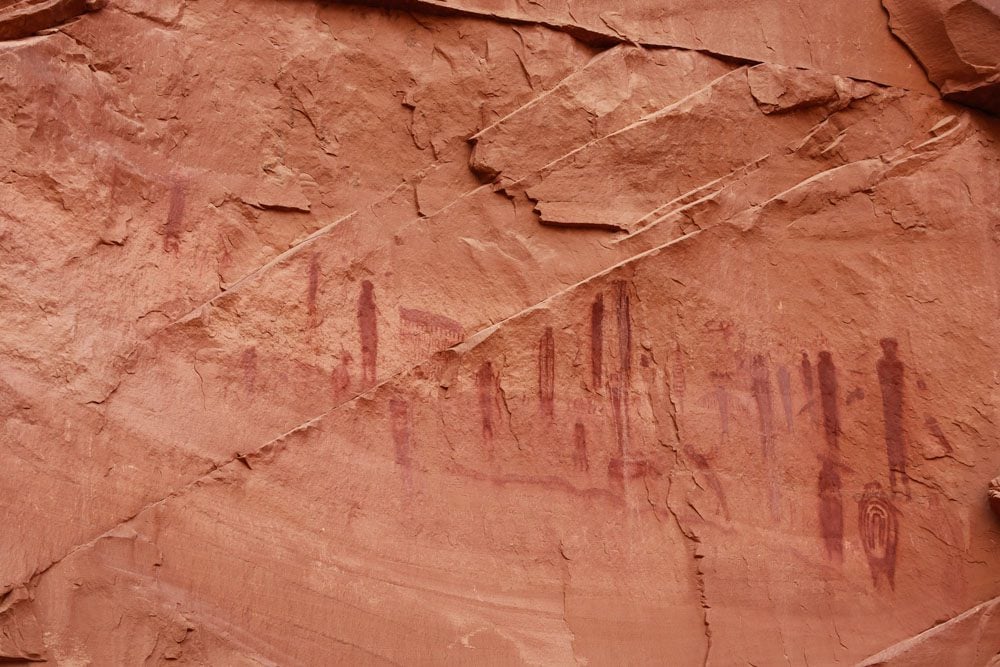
(493, 333)
(958, 42)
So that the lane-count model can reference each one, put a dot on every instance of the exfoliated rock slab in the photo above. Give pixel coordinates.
(615, 89)
(126, 613)
(21, 635)
(848, 152)
(957, 42)
(971, 638)
(619, 181)
(802, 33)
(22, 18)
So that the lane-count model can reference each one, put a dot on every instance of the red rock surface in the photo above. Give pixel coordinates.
(23, 18)
(958, 43)
(493, 333)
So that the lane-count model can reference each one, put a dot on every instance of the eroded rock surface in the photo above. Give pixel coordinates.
(22, 18)
(506, 334)
(958, 42)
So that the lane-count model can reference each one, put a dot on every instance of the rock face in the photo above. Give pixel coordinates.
(958, 43)
(493, 333)
(22, 18)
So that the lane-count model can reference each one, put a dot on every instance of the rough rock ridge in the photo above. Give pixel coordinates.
(493, 333)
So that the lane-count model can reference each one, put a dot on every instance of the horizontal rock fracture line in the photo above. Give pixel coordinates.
(587, 35)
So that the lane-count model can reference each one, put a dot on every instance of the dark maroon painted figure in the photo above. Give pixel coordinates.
(828, 400)
(831, 507)
(597, 342)
(624, 331)
(547, 371)
(368, 328)
(486, 392)
(890, 379)
(785, 388)
(313, 290)
(807, 384)
(175, 218)
(580, 447)
(878, 526)
(621, 381)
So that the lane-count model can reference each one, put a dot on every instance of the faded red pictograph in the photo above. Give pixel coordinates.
(678, 381)
(340, 376)
(722, 400)
(619, 382)
(785, 389)
(890, 377)
(760, 386)
(175, 217)
(704, 464)
(620, 469)
(486, 387)
(719, 398)
(428, 332)
(624, 313)
(547, 371)
(618, 415)
(580, 459)
(878, 527)
(855, 395)
(831, 507)
(806, 372)
(399, 418)
(368, 330)
(248, 362)
(935, 430)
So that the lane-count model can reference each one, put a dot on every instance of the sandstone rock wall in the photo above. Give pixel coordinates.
(487, 332)
(957, 42)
